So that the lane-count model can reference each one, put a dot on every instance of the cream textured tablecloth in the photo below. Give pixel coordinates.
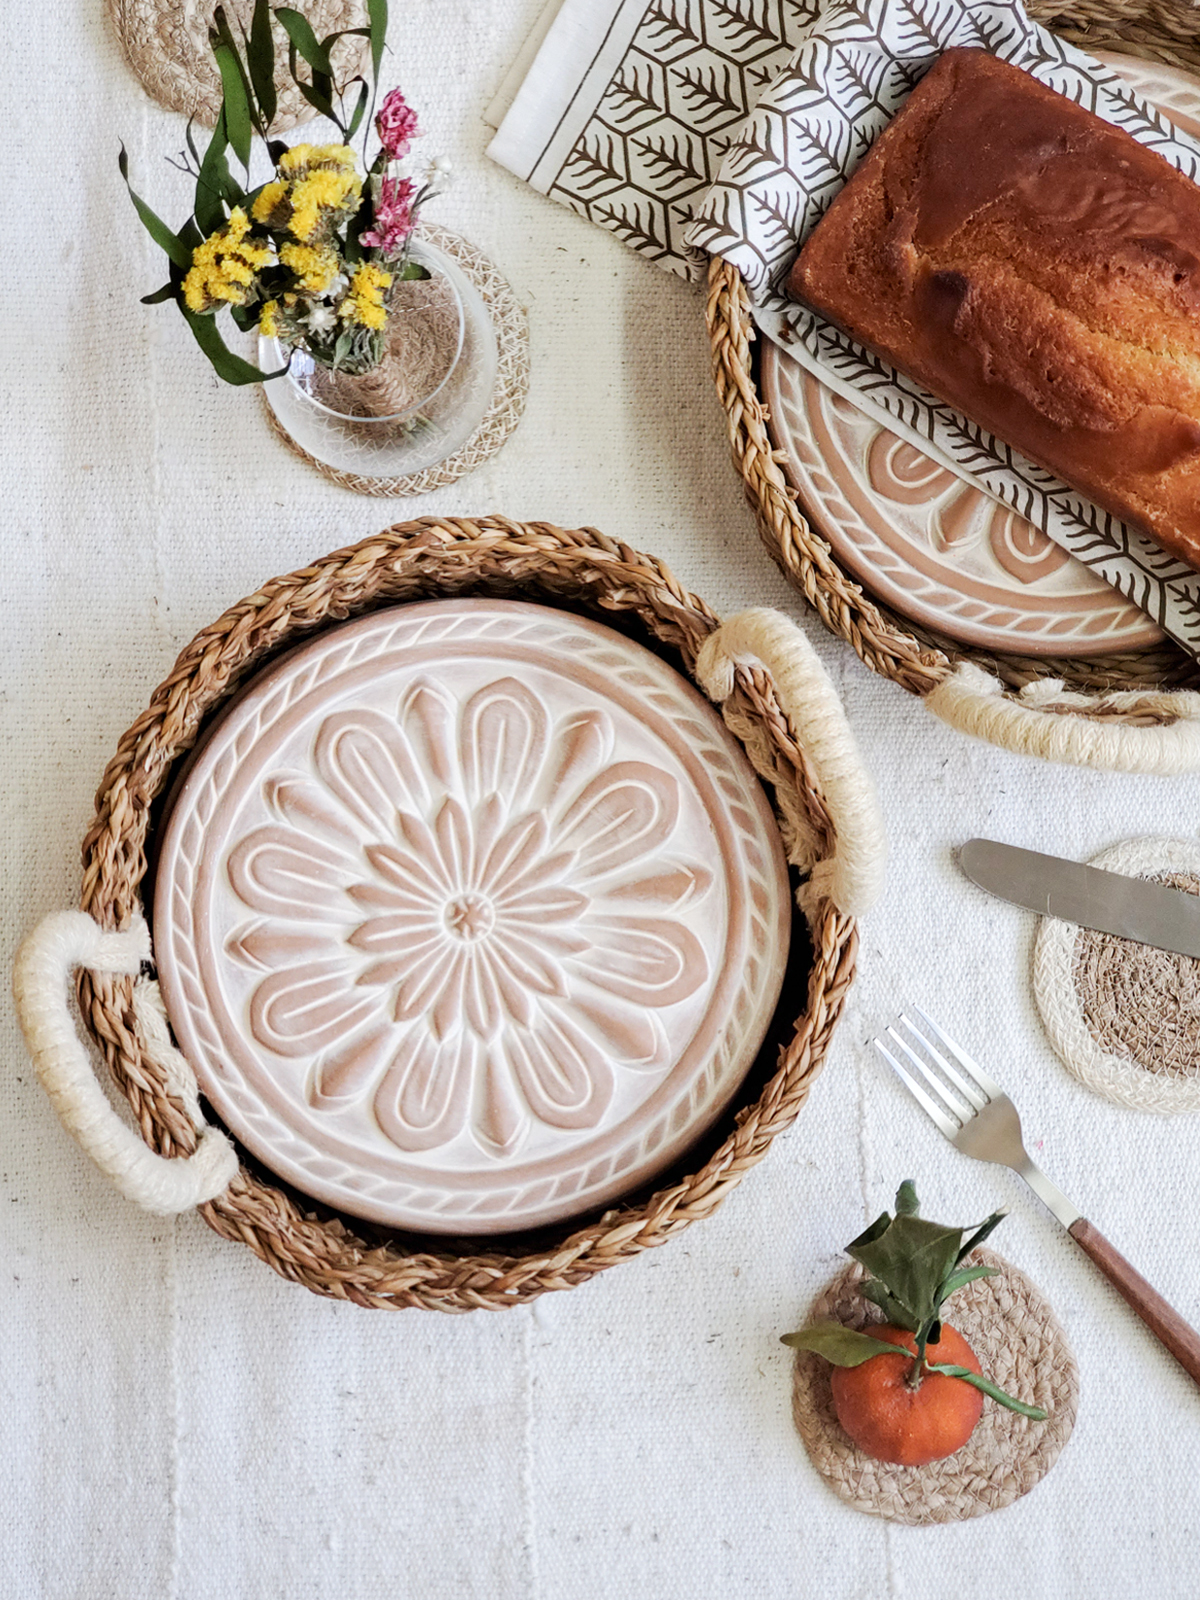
(178, 1423)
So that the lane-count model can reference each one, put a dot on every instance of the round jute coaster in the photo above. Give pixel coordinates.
(1125, 1017)
(1020, 1345)
(508, 398)
(166, 44)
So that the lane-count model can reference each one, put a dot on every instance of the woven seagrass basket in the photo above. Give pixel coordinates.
(337, 1256)
(1134, 712)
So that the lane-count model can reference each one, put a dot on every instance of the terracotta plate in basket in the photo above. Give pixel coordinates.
(938, 551)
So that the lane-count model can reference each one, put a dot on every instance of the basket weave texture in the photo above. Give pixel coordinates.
(918, 659)
(425, 559)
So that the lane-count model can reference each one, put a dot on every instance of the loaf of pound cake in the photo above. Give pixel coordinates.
(1038, 269)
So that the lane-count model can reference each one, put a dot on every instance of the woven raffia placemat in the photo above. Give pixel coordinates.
(508, 398)
(1124, 1017)
(166, 44)
(1020, 1345)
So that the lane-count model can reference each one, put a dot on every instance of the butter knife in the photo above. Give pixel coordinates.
(1131, 908)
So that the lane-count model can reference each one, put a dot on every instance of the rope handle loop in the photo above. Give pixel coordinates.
(41, 972)
(1084, 730)
(852, 877)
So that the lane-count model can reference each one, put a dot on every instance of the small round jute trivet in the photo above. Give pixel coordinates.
(166, 44)
(1125, 1017)
(508, 399)
(1020, 1345)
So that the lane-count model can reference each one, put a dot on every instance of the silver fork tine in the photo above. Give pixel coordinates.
(929, 1106)
(961, 1113)
(987, 1086)
(971, 1093)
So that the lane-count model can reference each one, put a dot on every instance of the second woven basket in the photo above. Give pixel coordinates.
(1137, 713)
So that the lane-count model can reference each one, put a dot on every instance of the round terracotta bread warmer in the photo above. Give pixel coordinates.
(776, 701)
(1137, 712)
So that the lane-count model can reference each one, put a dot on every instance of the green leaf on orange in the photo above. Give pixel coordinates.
(844, 1347)
(978, 1381)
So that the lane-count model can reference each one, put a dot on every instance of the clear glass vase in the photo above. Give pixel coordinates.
(422, 402)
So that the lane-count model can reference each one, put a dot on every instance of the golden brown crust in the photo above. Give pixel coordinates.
(1040, 270)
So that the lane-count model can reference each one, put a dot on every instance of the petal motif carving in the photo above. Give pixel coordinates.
(308, 1007)
(278, 871)
(365, 761)
(620, 817)
(502, 742)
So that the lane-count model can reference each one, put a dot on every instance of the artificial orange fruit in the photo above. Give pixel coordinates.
(893, 1421)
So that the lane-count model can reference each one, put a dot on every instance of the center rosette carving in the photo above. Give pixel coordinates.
(467, 914)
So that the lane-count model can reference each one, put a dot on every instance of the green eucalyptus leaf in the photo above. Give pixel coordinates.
(214, 181)
(167, 292)
(907, 1204)
(321, 102)
(377, 17)
(227, 366)
(260, 58)
(245, 317)
(360, 108)
(191, 141)
(981, 1232)
(959, 1280)
(411, 269)
(299, 30)
(843, 1346)
(179, 252)
(978, 1381)
(236, 101)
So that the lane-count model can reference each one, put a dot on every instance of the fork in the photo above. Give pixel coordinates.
(979, 1119)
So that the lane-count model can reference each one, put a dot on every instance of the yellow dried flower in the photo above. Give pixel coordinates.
(267, 208)
(302, 158)
(224, 264)
(321, 193)
(316, 268)
(364, 301)
(268, 321)
(295, 159)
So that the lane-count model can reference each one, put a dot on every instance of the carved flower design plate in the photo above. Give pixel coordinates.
(930, 545)
(470, 916)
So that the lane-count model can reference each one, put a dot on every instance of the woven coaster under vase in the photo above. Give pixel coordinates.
(753, 666)
(1137, 712)
(166, 44)
(498, 412)
(1020, 1345)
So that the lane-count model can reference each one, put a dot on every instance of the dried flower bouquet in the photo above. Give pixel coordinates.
(310, 257)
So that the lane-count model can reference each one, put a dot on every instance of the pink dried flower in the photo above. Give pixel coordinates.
(394, 219)
(396, 125)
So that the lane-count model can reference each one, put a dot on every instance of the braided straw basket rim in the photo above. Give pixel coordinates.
(428, 558)
(917, 658)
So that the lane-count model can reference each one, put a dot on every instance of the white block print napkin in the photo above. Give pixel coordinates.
(696, 127)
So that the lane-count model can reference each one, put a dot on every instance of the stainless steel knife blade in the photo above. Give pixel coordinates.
(1131, 908)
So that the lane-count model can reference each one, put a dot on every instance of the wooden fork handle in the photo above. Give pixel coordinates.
(1164, 1322)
